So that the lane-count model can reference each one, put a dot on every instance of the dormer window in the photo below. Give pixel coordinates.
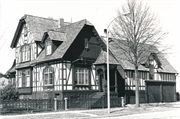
(48, 47)
(25, 53)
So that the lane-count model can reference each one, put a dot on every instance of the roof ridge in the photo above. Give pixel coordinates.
(38, 17)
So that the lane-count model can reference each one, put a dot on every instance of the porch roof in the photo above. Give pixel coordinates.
(102, 58)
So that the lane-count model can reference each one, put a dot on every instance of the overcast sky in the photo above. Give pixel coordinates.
(99, 12)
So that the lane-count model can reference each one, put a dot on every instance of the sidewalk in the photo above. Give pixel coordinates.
(98, 113)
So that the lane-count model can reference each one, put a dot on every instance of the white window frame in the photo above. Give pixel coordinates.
(24, 75)
(20, 79)
(48, 76)
(48, 47)
(82, 75)
(27, 77)
(25, 53)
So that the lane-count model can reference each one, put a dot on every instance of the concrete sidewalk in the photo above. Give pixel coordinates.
(98, 113)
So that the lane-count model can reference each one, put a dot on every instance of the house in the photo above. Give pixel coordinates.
(57, 59)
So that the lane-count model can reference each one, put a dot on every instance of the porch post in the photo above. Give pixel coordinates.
(100, 81)
(104, 82)
(116, 86)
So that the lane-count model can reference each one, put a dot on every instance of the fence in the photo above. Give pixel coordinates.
(91, 102)
(31, 105)
(27, 105)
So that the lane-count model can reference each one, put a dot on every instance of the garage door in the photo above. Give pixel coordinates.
(153, 91)
(160, 91)
(168, 92)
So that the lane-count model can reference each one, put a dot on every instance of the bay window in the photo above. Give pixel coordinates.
(24, 78)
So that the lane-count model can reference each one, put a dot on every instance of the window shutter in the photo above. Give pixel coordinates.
(75, 73)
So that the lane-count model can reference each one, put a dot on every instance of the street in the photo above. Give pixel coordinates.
(172, 114)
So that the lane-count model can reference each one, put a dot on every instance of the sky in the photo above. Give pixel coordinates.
(99, 12)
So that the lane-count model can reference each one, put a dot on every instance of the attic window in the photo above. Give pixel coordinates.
(25, 31)
(25, 53)
(86, 45)
(48, 47)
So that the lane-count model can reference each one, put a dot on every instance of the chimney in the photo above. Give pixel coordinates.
(60, 22)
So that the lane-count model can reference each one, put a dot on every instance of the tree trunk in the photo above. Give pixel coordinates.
(137, 87)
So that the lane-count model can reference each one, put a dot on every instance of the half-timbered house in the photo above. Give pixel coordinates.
(58, 59)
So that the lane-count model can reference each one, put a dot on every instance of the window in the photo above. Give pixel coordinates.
(86, 43)
(82, 76)
(48, 47)
(24, 78)
(27, 78)
(48, 76)
(19, 79)
(25, 53)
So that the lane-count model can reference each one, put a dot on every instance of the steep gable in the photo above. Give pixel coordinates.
(36, 26)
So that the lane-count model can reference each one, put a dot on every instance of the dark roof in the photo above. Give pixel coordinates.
(71, 31)
(56, 35)
(102, 58)
(117, 52)
(37, 26)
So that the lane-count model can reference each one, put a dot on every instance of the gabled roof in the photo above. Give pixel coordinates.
(117, 52)
(71, 31)
(37, 26)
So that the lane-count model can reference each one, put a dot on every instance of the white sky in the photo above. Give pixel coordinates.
(99, 12)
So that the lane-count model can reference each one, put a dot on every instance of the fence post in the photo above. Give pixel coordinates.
(55, 104)
(65, 103)
(103, 101)
(28, 105)
(122, 101)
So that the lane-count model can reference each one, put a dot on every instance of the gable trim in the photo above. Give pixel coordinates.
(17, 33)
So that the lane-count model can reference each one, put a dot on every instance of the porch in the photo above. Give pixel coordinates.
(117, 82)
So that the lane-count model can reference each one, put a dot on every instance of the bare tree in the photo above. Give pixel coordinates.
(139, 32)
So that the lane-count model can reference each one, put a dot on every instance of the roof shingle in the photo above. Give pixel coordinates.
(118, 53)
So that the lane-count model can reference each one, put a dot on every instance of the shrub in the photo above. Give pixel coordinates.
(9, 92)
